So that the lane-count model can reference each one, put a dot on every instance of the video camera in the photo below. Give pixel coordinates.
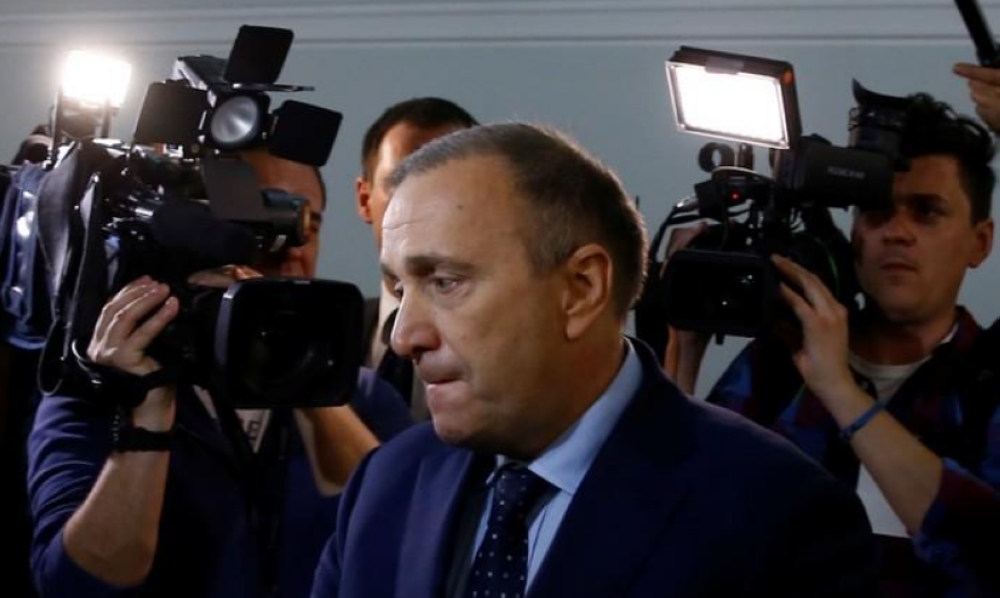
(178, 199)
(724, 282)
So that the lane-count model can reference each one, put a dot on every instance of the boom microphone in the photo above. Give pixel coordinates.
(987, 49)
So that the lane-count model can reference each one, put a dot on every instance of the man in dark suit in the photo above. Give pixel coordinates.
(560, 461)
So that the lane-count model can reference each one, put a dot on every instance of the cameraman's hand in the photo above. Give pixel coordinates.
(822, 356)
(123, 331)
(984, 88)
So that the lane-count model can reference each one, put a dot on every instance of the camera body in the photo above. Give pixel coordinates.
(724, 282)
(178, 200)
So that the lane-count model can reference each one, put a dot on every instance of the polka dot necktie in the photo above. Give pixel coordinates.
(500, 569)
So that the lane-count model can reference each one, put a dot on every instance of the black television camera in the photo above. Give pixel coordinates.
(724, 282)
(178, 200)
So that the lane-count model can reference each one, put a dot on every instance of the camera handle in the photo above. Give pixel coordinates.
(715, 155)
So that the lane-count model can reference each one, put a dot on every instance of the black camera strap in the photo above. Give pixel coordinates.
(70, 216)
(264, 477)
(274, 454)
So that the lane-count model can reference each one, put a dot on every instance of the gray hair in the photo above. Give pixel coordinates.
(574, 198)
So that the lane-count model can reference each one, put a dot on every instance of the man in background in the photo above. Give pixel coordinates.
(399, 131)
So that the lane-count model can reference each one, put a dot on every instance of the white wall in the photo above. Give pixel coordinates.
(594, 69)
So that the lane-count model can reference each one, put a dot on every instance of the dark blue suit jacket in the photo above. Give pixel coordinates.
(684, 499)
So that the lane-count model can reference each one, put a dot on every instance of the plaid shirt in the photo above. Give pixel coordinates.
(951, 405)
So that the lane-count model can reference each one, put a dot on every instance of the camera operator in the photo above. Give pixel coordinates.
(399, 131)
(204, 513)
(881, 397)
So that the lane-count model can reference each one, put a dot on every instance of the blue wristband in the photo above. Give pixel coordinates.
(859, 423)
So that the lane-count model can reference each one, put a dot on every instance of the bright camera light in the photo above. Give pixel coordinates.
(741, 106)
(236, 122)
(740, 98)
(94, 79)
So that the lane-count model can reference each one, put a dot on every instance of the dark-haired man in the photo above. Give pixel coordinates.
(399, 131)
(883, 398)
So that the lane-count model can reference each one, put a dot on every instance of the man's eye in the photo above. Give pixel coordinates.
(927, 212)
(877, 216)
(444, 285)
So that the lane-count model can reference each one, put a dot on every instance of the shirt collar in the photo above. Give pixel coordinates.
(966, 331)
(567, 460)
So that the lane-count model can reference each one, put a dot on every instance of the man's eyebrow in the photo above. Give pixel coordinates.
(906, 200)
(386, 270)
(928, 196)
(426, 263)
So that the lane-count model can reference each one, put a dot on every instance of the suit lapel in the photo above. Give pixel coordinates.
(632, 490)
(441, 486)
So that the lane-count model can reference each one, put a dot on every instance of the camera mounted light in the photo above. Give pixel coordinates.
(239, 84)
(735, 97)
(91, 90)
(237, 121)
(231, 112)
(95, 80)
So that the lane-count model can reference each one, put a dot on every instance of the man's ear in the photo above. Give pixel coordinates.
(983, 235)
(363, 193)
(588, 294)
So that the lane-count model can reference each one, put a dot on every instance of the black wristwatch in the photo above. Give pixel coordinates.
(128, 438)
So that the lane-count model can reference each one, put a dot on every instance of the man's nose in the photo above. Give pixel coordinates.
(898, 227)
(291, 265)
(413, 332)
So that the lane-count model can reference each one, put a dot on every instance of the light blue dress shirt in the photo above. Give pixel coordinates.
(564, 464)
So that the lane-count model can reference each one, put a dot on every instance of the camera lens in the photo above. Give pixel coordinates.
(281, 348)
(734, 293)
